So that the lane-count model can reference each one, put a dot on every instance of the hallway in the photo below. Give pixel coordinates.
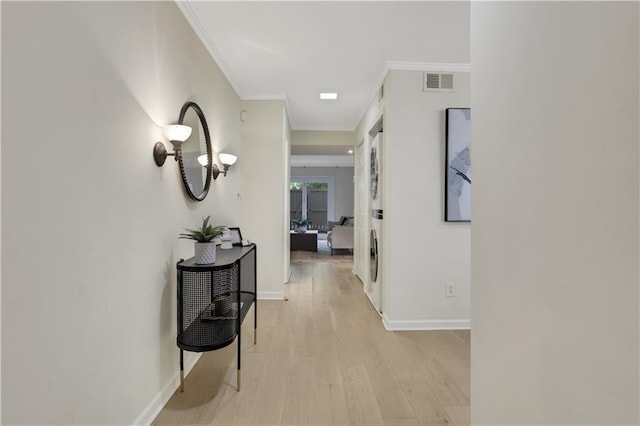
(323, 357)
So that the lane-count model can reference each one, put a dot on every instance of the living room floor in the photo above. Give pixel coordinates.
(323, 357)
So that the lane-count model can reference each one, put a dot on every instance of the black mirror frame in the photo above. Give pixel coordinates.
(207, 137)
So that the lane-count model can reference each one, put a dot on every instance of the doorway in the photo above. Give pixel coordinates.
(313, 198)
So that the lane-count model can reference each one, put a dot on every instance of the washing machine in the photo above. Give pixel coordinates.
(377, 214)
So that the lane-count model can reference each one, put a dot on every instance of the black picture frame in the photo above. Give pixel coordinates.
(236, 236)
(457, 176)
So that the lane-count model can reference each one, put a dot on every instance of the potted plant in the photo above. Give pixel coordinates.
(205, 247)
(301, 224)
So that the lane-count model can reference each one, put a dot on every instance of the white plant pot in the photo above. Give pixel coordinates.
(205, 253)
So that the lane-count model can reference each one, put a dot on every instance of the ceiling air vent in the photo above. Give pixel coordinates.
(437, 82)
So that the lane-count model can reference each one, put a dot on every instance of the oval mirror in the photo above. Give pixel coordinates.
(196, 176)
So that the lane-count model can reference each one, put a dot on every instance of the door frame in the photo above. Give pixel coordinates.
(361, 214)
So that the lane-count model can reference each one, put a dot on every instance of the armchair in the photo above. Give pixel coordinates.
(341, 236)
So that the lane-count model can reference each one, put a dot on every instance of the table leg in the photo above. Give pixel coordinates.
(239, 348)
(181, 370)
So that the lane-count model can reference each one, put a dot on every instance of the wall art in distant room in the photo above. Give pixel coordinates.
(457, 198)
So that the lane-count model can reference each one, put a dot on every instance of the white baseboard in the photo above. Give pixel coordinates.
(373, 303)
(410, 325)
(152, 410)
(270, 295)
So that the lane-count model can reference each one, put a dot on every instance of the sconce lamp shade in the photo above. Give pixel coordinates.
(202, 159)
(227, 159)
(176, 132)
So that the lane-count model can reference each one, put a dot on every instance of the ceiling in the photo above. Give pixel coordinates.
(295, 50)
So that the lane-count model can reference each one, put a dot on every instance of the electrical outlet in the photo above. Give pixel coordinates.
(450, 290)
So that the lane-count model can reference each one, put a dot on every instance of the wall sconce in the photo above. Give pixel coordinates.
(177, 135)
(227, 161)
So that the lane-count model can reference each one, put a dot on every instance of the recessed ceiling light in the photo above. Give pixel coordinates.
(328, 95)
(350, 151)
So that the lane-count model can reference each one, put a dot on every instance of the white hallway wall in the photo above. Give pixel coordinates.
(89, 222)
(425, 251)
(555, 231)
(286, 161)
(265, 148)
(321, 137)
(422, 252)
(343, 186)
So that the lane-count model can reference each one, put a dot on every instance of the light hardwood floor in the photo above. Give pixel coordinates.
(324, 358)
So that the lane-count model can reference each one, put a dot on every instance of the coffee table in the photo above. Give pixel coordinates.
(307, 241)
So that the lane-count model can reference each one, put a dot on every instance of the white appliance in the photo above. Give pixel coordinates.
(375, 236)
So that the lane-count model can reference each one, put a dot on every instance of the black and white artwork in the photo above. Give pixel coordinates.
(373, 173)
(458, 167)
(236, 236)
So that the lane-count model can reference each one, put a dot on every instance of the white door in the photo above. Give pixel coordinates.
(361, 246)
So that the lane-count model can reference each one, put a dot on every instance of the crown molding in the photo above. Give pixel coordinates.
(189, 14)
(410, 66)
(197, 26)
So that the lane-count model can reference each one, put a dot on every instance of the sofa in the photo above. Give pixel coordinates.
(341, 234)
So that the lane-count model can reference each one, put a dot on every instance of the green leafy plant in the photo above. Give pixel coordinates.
(205, 233)
(300, 225)
(301, 222)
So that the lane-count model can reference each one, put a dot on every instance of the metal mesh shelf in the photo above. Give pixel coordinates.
(210, 331)
(213, 300)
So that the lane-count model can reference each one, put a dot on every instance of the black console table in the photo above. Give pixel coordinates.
(213, 300)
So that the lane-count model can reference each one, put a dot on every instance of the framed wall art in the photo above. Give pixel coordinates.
(236, 236)
(373, 173)
(457, 195)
